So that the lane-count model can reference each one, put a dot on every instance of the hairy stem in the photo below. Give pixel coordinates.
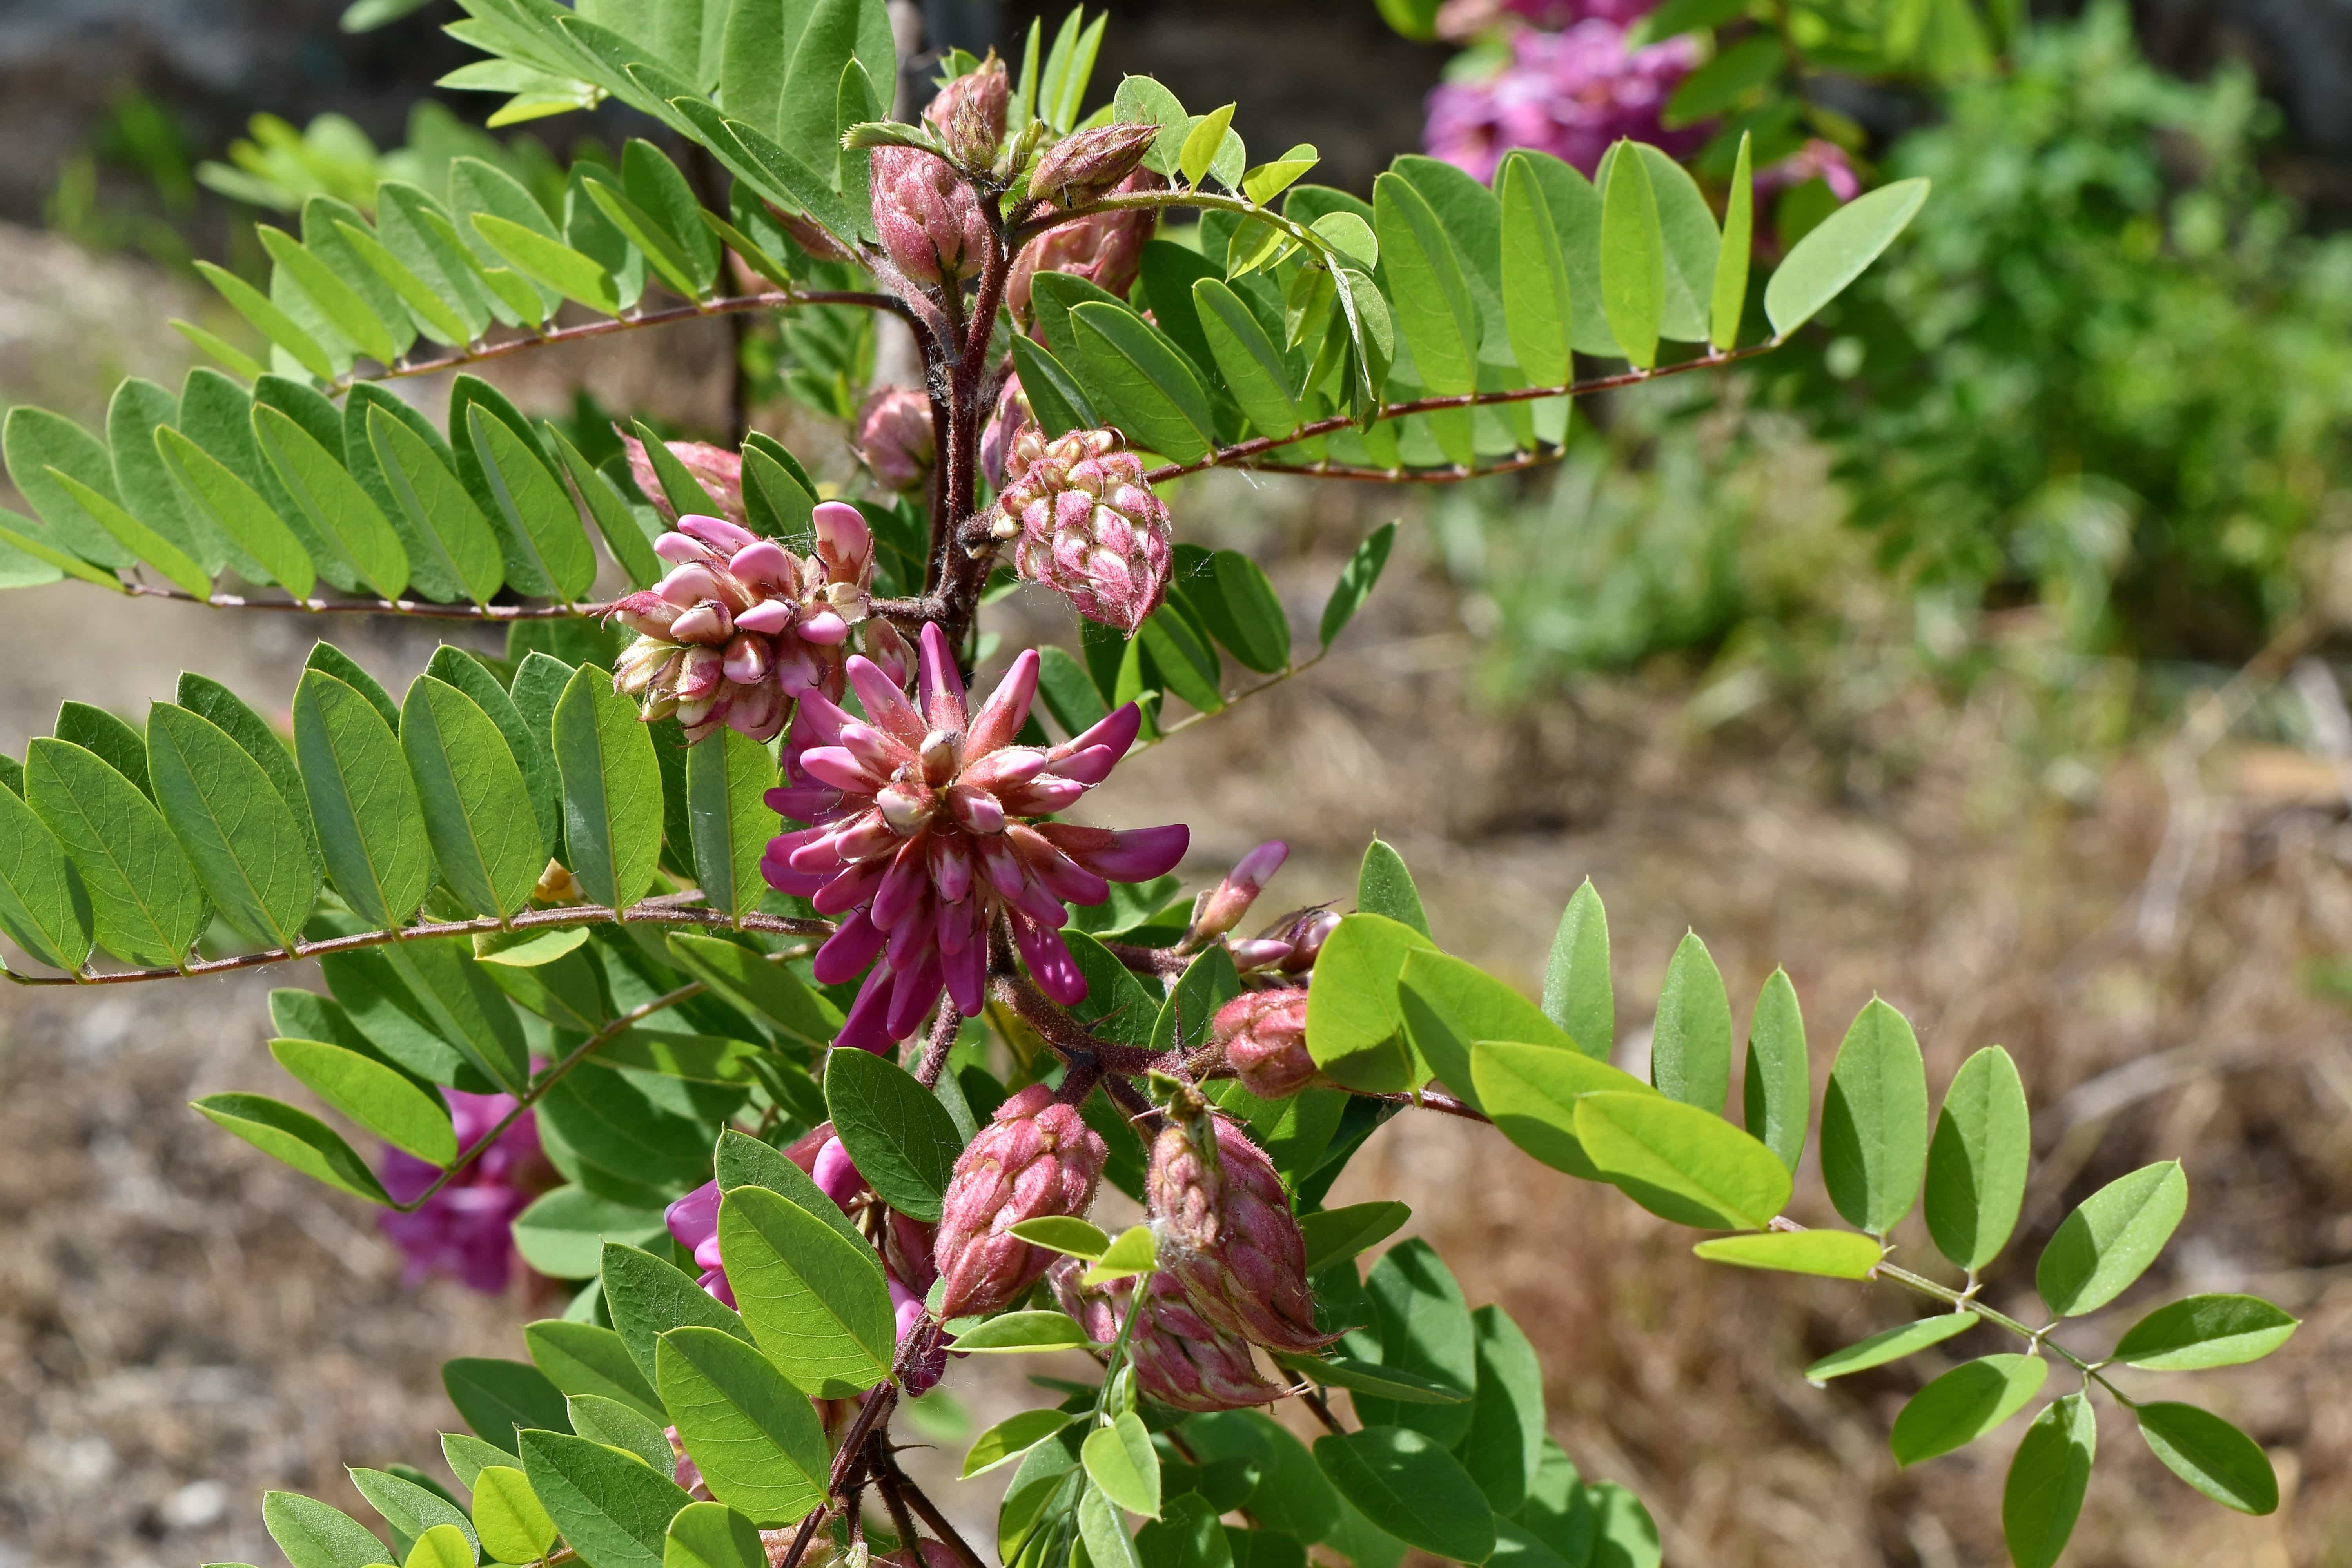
(886, 1462)
(646, 913)
(848, 1461)
(893, 1501)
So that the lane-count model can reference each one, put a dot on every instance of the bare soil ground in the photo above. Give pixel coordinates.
(184, 1324)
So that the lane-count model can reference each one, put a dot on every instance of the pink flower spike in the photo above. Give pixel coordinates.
(1007, 708)
(717, 533)
(938, 680)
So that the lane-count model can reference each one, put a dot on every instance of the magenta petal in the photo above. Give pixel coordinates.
(862, 1030)
(1137, 854)
(717, 531)
(1007, 708)
(967, 977)
(835, 1173)
(847, 952)
(824, 627)
(885, 703)
(693, 1218)
(913, 995)
(1049, 961)
(768, 616)
(1089, 766)
(714, 1280)
(1118, 732)
(785, 881)
(839, 766)
(824, 718)
(938, 683)
(849, 890)
(908, 876)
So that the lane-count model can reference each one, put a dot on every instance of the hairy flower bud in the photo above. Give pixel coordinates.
(718, 470)
(894, 438)
(1087, 164)
(930, 221)
(1037, 1157)
(1222, 907)
(1226, 1234)
(1104, 248)
(1181, 1358)
(1264, 1034)
(1011, 420)
(1305, 933)
(1088, 526)
(969, 113)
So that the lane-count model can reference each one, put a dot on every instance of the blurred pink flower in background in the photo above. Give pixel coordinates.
(1817, 158)
(462, 1230)
(1567, 93)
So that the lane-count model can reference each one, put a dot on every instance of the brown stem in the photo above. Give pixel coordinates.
(1226, 456)
(1161, 963)
(417, 608)
(1431, 1100)
(1068, 1037)
(887, 1463)
(942, 1041)
(1139, 1110)
(1313, 1400)
(773, 299)
(846, 1462)
(1538, 458)
(531, 919)
(892, 1501)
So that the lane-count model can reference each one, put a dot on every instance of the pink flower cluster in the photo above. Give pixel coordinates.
(926, 824)
(462, 1231)
(1568, 93)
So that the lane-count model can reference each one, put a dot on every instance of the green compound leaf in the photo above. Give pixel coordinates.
(611, 1507)
(1729, 300)
(1977, 1160)
(1293, 1498)
(1778, 1095)
(476, 808)
(43, 906)
(1690, 244)
(1334, 1236)
(1633, 257)
(756, 1437)
(237, 510)
(725, 777)
(1964, 1405)
(1893, 1345)
(1017, 1333)
(385, 1102)
(332, 499)
(1408, 1486)
(1357, 579)
(564, 1233)
(1690, 1045)
(586, 1358)
(1448, 1006)
(1011, 1437)
(1100, 1528)
(1576, 992)
(1505, 1450)
(2201, 1332)
(541, 527)
(370, 825)
(1427, 1331)
(2047, 1478)
(2108, 1242)
(767, 991)
(1120, 1461)
(508, 1517)
(1428, 289)
(295, 1137)
(410, 1510)
(814, 1301)
(248, 849)
(1831, 1254)
(1875, 1121)
(314, 1535)
(1062, 1234)
(1383, 887)
(712, 1535)
(146, 905)
(1532, 1092)
(2210, 1455)
(439, 510)
(1821, 265)
(1539, 310)
(1141, 381)
(135, 536)
(496, 1397)
(1355, 1030)
(896, 1132)
(647, 1296)
(612, 789)
(622, 1426)
(1251, 363)
(1679, 1162)
(1393, 1385)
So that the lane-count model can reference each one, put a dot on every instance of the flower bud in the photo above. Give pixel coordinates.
(1264, 1034)
(969, 113)
(1089, 528)
(1105, 248)
(1226, 1234)
(1037, 1157)
(1180, 1359)
(894, 438)
(1087, 164)
(715, 468)
(1224, 906)
(1305, 932)
(930, 221)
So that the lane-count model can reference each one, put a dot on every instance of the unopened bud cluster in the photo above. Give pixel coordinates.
(1083, 521)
